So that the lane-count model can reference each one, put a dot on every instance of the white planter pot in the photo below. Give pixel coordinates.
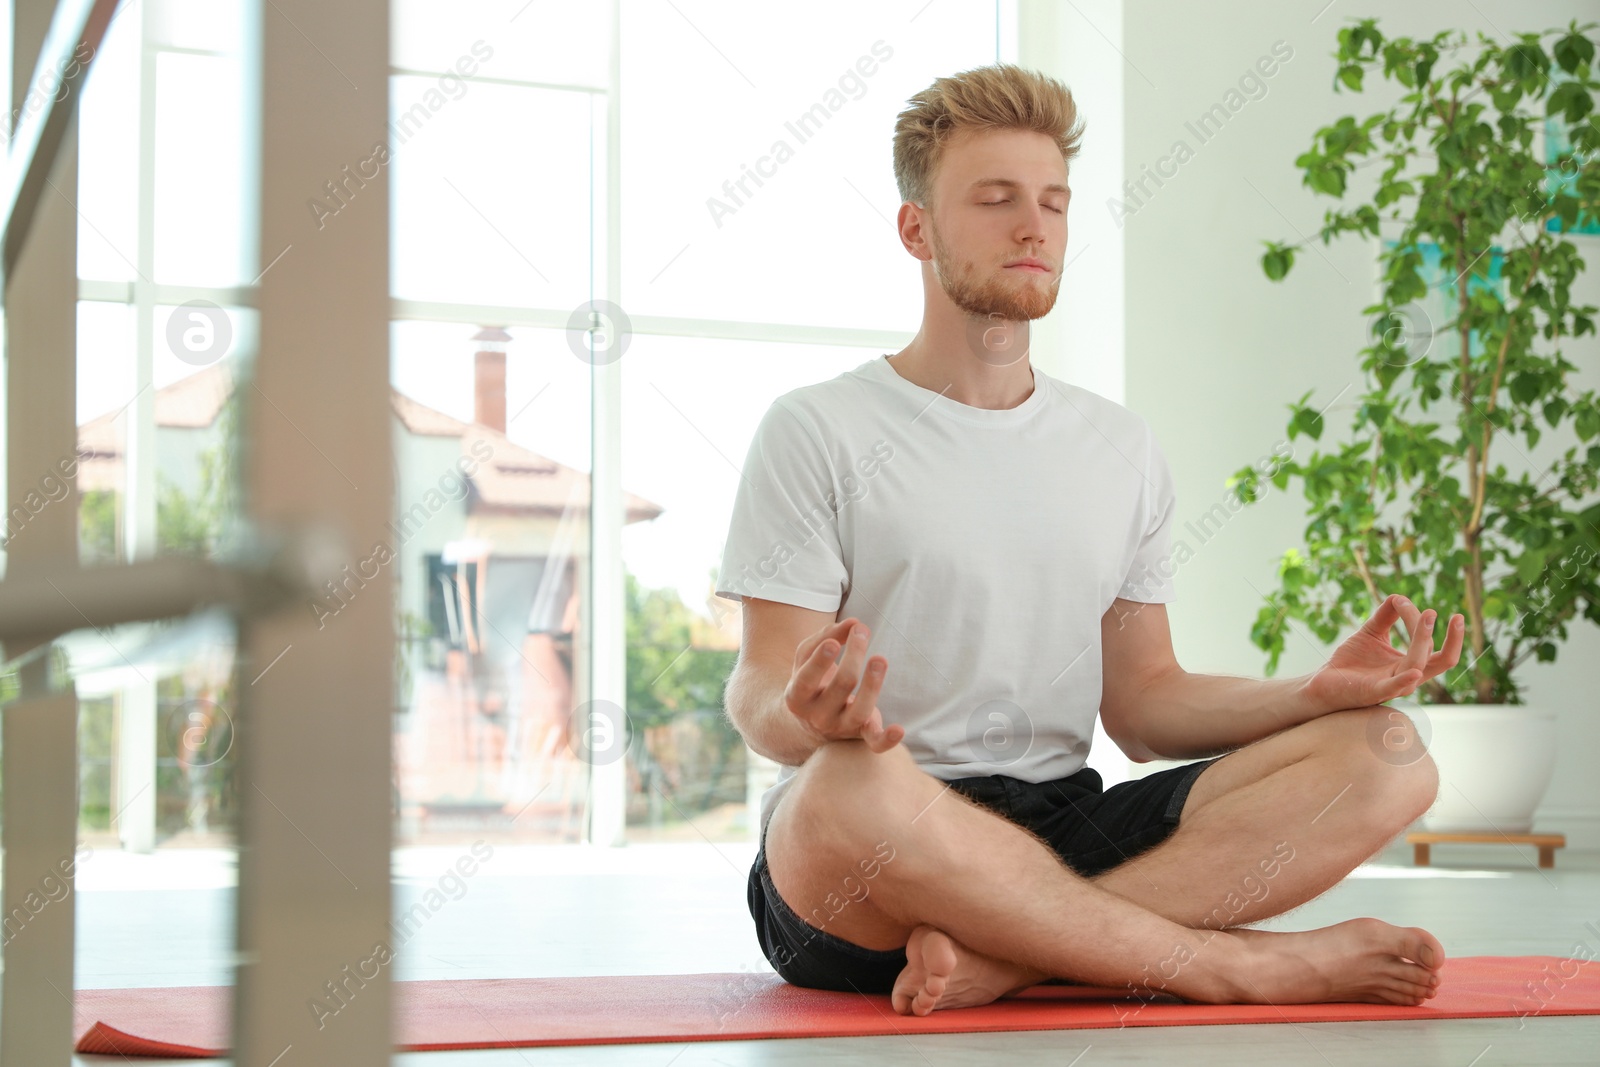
(1495, 762)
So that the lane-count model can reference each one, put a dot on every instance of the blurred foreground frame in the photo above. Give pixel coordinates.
(321, 375)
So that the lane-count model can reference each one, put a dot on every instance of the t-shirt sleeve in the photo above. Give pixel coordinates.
(783, 539)
(1150, 578)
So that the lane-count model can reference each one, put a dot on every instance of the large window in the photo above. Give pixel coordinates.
(163, 329)
(492, 543)
(715, 217)
(758, 255)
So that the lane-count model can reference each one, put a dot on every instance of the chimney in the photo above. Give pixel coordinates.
(489, 377)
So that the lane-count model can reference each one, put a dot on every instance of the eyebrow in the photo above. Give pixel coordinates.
(984, 183)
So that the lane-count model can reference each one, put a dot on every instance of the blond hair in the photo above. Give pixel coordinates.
(999, 97)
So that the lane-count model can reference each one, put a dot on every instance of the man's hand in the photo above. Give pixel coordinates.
(1367, 669)
(821, 693)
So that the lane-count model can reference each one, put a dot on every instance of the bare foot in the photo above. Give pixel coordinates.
(941, 972)
(1364, 960)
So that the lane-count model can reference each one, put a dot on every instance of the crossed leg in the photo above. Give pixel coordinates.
(1319, 799)
(977, 900)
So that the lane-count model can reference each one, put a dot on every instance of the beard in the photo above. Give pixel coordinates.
(993, 302)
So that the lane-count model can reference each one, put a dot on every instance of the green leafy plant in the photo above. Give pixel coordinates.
(1418, 502)
(205, 522)
(672, 683)
(97, 526)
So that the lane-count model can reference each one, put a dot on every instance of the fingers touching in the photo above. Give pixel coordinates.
(826, 691)
(1420, 656)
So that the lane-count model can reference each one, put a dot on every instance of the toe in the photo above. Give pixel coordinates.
(1425, 949)
(938, 952)
(1411, 972)
(1410, 992)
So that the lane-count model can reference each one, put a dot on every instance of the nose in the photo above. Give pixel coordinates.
(1033, 230)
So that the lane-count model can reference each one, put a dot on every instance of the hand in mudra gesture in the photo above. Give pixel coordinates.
(822, 694)
(1366, 669)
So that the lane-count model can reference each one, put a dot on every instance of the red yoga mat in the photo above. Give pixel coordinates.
(526, 1012)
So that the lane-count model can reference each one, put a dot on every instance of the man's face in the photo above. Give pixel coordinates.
(982, 227)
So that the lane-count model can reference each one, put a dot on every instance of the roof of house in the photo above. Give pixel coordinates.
(514, 480)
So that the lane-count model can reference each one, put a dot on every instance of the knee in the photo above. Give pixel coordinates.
(1387, 757)
(849, 767)
(846, 790)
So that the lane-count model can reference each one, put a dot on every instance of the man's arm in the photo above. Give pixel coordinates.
(1154, 709)
(788, 696)
(755, 704)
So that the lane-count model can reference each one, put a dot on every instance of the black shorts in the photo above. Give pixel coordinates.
(1093, 829)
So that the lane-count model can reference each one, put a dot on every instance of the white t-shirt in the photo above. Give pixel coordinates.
(981, 547)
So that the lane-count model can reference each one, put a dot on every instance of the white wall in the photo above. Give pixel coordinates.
(1081, 340)
(1215, 350)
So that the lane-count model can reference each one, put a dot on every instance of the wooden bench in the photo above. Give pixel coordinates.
(1546, 843)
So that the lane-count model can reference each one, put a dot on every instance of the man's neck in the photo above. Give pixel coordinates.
(965, 379)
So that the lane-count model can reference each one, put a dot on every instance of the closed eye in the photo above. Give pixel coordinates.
(993, 203)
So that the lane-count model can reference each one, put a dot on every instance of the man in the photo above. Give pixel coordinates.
(935, 834)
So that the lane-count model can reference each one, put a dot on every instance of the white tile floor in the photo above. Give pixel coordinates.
(536, 912)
